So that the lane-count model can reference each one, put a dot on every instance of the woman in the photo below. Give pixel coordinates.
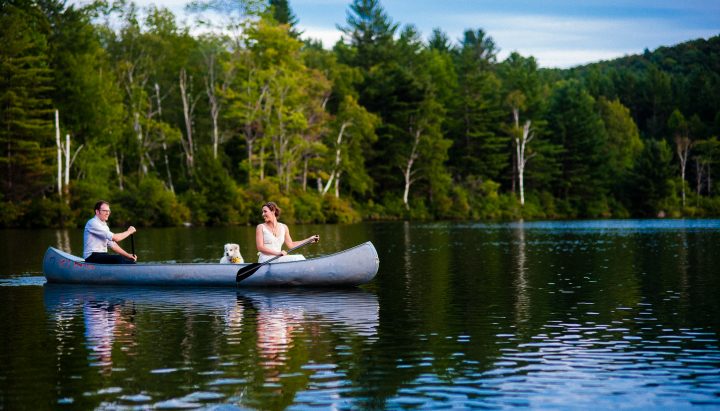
(270, 236)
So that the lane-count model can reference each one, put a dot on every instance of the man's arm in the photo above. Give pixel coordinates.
(125, 234)
(115, 247)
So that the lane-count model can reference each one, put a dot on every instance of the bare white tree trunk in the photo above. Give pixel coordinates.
(67, 160)
(708, 179)
(252, 131)
(699, 169)
(683, 145)
(119, 169)
(134, 83)
(305, 174)
(281, 139)
(337, 184)
(59, 152)
(521, 143)
(408, 171)
(262, 162)
(163, 140)
(336, 167)
(188, 109)
(214, 102)
(138, 130)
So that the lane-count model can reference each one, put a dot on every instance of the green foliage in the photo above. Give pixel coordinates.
(26, 140)
(282, 13)
(575, 125)
(174, 127)
(474, 121)
(370, 31)
(651, 183)
(84, 194)
(623, 144)
(149, 203)
(11, 213)
(46, 212)
(307, 208)
(217, 195)
(339, 211)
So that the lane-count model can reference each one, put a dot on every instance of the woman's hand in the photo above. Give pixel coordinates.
(315, 238)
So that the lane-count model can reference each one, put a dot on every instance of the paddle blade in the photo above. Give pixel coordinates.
(247, 271)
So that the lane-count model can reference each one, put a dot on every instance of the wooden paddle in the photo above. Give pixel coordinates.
(249, 270)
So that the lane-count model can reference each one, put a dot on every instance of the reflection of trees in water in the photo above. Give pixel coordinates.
(520, 282)
(407, 255)
(62, 238)
(682, 261)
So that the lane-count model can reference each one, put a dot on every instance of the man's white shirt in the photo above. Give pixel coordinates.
(96, 237)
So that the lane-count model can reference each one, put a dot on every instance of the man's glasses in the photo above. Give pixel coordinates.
(105, 211)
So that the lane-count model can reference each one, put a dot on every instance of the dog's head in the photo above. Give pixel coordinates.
(232, 250)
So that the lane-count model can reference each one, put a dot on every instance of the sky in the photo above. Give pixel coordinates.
(558, 33)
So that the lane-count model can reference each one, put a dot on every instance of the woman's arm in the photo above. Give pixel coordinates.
(292, 244)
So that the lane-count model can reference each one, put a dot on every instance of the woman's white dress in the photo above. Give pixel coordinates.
(275, 243)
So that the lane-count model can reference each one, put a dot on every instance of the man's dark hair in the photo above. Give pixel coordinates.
(99, 204)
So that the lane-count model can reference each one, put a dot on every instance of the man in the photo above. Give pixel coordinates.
(97, 237)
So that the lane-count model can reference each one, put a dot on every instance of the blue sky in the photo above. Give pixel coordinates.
(558, 33)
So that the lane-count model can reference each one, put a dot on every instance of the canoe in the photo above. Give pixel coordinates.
(353, 308)
(351, 267)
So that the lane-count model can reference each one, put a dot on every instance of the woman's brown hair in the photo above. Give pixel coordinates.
(273, 207)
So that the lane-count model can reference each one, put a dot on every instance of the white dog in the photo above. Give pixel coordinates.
(232, 255)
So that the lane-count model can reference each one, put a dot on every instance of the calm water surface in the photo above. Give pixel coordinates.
(556, 315)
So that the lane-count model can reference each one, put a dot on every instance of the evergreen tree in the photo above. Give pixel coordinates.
(651, 181)
(282, 13)
(87, 95)
(575, 125)
(479, 147)
(439, 41)
(623, 138)
(26, 120)
(370, 32)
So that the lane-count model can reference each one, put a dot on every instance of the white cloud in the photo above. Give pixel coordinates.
(328, 36)
(567, 57)
(567, 41)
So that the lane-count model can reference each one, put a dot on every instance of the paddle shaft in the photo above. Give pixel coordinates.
(132, 243)
(251, 269)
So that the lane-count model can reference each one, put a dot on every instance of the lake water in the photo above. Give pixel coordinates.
(555, 315)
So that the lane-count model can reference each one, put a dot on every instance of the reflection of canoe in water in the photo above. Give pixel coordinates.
(353, 266)
(354, 308)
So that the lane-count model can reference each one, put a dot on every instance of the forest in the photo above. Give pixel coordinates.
(198, 124)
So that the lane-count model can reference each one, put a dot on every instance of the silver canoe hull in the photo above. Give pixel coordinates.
(354, 266)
